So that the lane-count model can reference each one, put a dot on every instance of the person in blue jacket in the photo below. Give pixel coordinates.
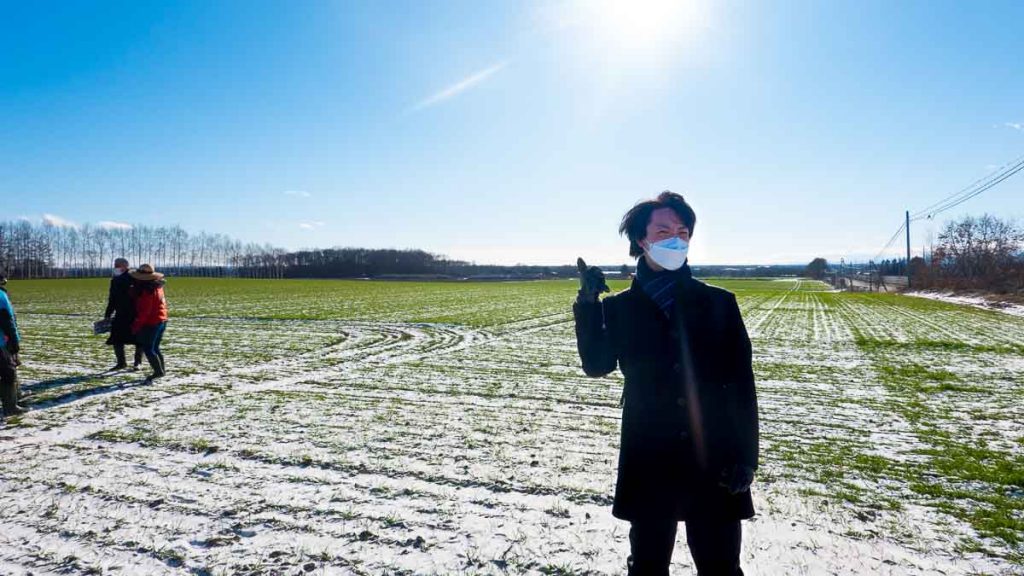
(10, 346)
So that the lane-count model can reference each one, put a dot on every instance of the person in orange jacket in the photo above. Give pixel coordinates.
(150, 316)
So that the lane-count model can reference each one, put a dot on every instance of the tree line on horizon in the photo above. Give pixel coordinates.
(974, 253)
(59, 250)
(46, 250)
(983, 253)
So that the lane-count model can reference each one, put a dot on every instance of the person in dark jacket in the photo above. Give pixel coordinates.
(10, 347)
(150, 316)
(121, 310)
(689, 439)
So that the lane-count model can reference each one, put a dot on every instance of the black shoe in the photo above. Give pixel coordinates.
(118, 367)
(135, 367)
(18, 410)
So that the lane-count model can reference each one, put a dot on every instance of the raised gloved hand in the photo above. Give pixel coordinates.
(736, 479)
(591, 282)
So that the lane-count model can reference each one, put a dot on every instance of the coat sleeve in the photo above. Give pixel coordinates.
(746, 417)
(8, 321)
(110, 300)
(592, 338)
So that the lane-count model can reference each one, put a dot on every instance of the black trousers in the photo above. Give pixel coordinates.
(122, 360)
(714, 546)
(9, 388)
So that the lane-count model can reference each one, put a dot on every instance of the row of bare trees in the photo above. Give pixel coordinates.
(47, 250)
(978, 253)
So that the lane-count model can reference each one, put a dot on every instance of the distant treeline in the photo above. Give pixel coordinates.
(61, 250)
(974, 253)
(397, 264)
(752, 271)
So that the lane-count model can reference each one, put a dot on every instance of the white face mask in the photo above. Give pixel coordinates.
(670, 254)
(118, 271)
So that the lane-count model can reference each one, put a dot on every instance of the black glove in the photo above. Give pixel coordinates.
(736, 479)
(591, 282)
(13, 347)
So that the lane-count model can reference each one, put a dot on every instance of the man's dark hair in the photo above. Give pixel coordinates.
(634, 223)
(120, 262)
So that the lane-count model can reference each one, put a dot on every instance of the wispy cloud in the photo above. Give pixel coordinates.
(112, 225)
(460, 86)
(57, 221)
(1015, 125)
(311, 225)
(297, 193)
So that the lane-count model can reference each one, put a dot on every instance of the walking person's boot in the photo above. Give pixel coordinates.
(156, 365)
(9, 397)
(138, 359)
(18, 394)
(9, 385)
(122, 363)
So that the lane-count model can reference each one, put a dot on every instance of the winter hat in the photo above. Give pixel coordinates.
(145, 273)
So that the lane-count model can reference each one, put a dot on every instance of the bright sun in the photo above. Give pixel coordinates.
(648, 31)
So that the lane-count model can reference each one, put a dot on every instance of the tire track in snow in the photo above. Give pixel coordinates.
(363, 344)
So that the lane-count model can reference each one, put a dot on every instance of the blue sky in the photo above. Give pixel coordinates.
(511, 131)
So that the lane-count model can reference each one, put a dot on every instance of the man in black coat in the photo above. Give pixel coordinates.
(689, 443)
(121, 307)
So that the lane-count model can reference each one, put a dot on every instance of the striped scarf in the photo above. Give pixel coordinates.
(660, 286)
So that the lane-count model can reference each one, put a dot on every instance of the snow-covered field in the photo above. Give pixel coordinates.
(979, 301)
(447, 428)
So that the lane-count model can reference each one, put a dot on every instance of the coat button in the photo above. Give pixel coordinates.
(681, 401)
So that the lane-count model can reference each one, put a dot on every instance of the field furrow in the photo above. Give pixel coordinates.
(371, 428)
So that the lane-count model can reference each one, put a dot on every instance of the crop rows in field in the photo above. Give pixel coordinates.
(470, 304)
(907, 404)
(476, 445)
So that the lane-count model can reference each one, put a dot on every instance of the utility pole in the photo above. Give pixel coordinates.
(908, 248)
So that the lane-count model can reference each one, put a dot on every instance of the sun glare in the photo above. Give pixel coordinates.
(645, 31)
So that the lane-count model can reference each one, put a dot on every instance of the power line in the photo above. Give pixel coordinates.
(986, 186)
(891, 241)
(977, 187)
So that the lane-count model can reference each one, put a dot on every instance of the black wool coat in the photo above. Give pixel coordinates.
(689, 407)
(121, 306)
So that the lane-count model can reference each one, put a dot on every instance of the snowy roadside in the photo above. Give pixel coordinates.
(976, 301)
